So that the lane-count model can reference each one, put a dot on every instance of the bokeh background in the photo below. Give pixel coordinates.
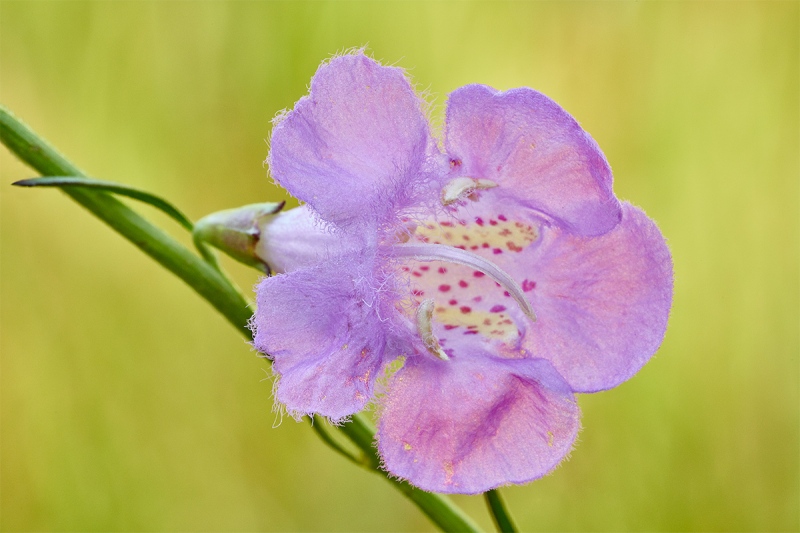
(128, 404)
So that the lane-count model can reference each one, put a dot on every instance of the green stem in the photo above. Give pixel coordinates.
(318, 425)
(440, 509)
(206, 281)
(499, 512)
(168, 252)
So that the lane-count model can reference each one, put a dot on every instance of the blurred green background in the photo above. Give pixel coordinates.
(129, 405)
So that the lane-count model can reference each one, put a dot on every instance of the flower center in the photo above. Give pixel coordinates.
(439, 252)
(457, 283)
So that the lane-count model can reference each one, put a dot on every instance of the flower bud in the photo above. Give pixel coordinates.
(238, 231)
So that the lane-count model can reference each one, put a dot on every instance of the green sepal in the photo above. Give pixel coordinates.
(237, 231)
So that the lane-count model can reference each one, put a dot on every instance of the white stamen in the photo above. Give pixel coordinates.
(425, 329)
(440, 252)
(460, 188)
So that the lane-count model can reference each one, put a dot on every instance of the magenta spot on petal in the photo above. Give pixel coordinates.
(447, 224)
(453, 302)
(505, 293)
(470, 332)
(444, 288)
(474, 247)
(479, 221)
(472, 326)
(455, 163)
(449, 326)
(502, 217)
(497, 309)
(492, 222)
(528, 285)
(417, 292)
(442, 270)
(477, 299)
(463, 284)
(485, 245)
(465, 309)
(417, 274)
(497, 251)
(478, 274)
(424, 268)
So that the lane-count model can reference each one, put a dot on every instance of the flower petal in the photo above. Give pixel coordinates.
(297, 238)
(475, 422)
(602, 303)
(535, 151)
(356, 147)
(327, 336)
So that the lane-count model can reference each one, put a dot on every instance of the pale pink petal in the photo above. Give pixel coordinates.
(329, 335)
(475, 422)
(536, 152)
(602, 303)
(357, 148)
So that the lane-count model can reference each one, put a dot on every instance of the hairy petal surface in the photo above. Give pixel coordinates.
(356, 148)
(327, 336)
(536, 152)
(602, 303)
(475, 422)
(297, 238)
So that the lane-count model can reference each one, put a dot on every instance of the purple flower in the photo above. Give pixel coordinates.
(501, 270)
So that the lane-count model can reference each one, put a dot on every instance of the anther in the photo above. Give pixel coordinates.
(425, 329)
(460, 188)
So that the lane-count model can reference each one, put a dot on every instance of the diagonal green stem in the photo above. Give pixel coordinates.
(168, 252)
(206, 281)
(499, 512)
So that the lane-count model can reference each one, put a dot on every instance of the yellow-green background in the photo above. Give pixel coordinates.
(129, 405)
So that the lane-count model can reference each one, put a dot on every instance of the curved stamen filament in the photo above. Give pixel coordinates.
(441, 252)
(425, 329)
(460, 188)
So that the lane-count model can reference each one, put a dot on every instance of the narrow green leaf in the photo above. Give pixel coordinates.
(318, 425)
(109, 186)
(123, 190)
